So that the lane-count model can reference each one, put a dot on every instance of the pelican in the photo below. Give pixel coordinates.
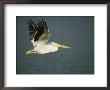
(39, 36)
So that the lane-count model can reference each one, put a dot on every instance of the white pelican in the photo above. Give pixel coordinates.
(39, 36)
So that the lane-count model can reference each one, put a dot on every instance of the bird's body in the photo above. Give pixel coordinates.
(39, 37)
(42, 49)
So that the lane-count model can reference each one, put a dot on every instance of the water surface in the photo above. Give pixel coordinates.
(75, 31)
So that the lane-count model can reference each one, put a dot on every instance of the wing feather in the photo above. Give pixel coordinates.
(32, 28)
(39, 32)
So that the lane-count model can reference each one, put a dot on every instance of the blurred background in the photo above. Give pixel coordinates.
(74, 31)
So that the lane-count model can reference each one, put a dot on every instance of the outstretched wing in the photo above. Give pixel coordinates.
(32, 28)
(39, 32)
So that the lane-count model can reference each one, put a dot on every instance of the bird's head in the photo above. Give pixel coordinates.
(59, 45)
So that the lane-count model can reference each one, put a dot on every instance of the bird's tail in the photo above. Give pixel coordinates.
(63, 46)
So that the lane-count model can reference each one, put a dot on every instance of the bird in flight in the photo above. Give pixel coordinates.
(39, 36)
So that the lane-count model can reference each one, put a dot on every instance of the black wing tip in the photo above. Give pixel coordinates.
(42, 22)
(30, 21)
(40, 27)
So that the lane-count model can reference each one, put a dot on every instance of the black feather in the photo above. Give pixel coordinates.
(36, 30)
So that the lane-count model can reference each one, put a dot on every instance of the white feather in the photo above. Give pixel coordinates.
(45, 48)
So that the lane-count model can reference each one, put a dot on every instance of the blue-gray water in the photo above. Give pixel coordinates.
(75, 31)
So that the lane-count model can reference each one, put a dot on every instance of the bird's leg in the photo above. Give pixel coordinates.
(29, 52)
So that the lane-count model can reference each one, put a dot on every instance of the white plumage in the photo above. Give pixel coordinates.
(39, 36)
